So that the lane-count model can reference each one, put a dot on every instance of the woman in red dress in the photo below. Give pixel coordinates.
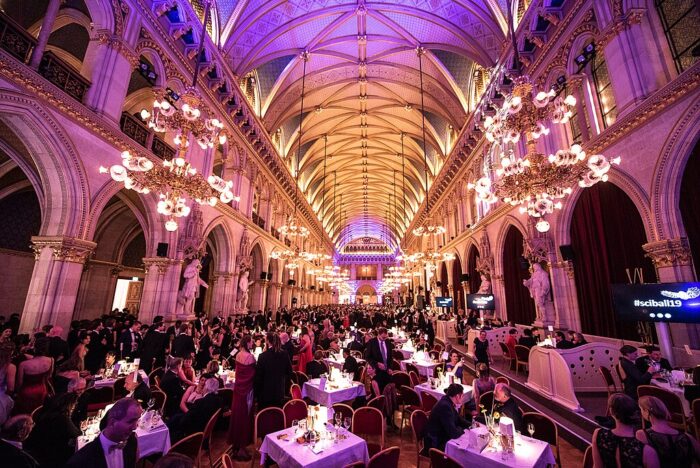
(32, 377)
(241, 421)
(305, 353)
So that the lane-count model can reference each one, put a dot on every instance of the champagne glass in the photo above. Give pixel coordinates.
(295, 426)
(347, 422)
(312, 439)
(338, 417)
(531, 429)
(151, 403)
(84, 426)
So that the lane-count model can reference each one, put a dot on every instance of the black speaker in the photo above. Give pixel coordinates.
(269, 276)
(524, 264)
(312, 288)
(465, 277)
(567, 252)
(263, 275)
(438, 283)
(162, 249)
(291, 282)
(294, 300)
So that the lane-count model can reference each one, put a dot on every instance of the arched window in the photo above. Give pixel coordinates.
(604, 90)
(562, 88)
(680, 19)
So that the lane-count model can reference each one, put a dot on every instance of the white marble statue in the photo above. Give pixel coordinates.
(538, 284)
(190, 290)
(243, 292)
(485, 287)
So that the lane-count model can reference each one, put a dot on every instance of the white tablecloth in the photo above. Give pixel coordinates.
(424, 367)
(156, 440)
(104, 383)
(290, 454)
(528, 453)
(439, 392)
(333, 362)
(328, 397)
(678, 391)
(407, 353)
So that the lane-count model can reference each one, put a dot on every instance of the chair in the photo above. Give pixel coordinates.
(369, 421)
(295, 392)
(503, 380)
(522, 357)
(397, 355)
(301, 378)
(545, 430)
(155, 376)
(120, 388)
(415, 380)
(486, 400)
(207, 434)
(387, 458)
(439, 459)
(190, 446)
(226, 396)
(673, 403)
(160, 398)
(294, 409)
(267, 421)
(36, 412)
(411, 402)
(610, 384)
(345, 410)
(98, 398)
(356, 354)
(588, 457)
(226, 461)
(506, 354)
(427, 402)
(694, 407)
(419, 422)
(412, 368)
(361, 373)
(434, 354)
(437, 347)
(378, 402)
(401, 379)
(358, 464)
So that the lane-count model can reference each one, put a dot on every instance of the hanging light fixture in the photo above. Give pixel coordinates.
(176, 179)
(534, 181)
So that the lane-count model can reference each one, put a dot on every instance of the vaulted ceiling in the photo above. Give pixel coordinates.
(361, 148)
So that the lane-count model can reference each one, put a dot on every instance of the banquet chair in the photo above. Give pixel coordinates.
(503, 380)
(301, 378)
(295, 392)
(387, 458)
(437, 347)
(610, 384)
(361, 374)
(394, 365)
(294, 409)
(401, 379)
(411, 402)
(673, 404)
(545, 430)
(190, 446)
(588, 457)
(522, 358)
(120, 388)
(36, 412)
(344, 410)
(434, 354)
(412, 368)
(160, 397)
(419, 422)
(226, 396)
(378, 402)
(506, 355)
(356, 354)
(369, 421)
(98, 398)
(267, 421)
(156, 373)
(226, 461)
(695, 411)
(439, 459)
(397, 355)
(415, 380)
(486, 400)
(427, 402)
(207, 435)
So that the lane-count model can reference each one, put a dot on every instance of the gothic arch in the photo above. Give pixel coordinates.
(219, 235)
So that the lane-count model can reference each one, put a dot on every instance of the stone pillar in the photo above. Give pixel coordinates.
(55, 282)
(575, 86)
(160, 288)
(222, 294)
(285, 297)
(44, 33)
(273, 294)
(674, 264)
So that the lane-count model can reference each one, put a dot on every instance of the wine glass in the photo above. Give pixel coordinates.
(151, 403)
(295, 426)
(347, 422)
(531, 429)
(338, 417)
(84, 426)
(312, 439)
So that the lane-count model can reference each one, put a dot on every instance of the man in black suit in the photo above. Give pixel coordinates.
(287, 345)
(527, 339)
(199, 414)
(183, 344)
(562, 342)
(130, 341)
(272, 373)
(632, 377)
(170, 384)
(350, 364)
(116, 443)
(504, 404)
(14, 432)
(58, 347)
(653, 358)
(378, 355)
(137, 388)
(316, 367)
(153, 347)
(445, 423)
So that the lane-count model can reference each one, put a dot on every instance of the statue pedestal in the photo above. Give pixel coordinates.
(545, 317)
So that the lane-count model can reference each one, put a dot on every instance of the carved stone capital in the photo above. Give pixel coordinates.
(161, 263)
(669, 252)
(65, 249)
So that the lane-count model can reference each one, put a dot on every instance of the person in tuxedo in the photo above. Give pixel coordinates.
(170, 384)
(654, 359)
(116, 445)
(199, 414)
(378, 355)
(350, 364)
(504, 404)
(153, 347)
(14, 432)
(272, 373)
(287, 345)
(562, 342)
(183, 343)
(58, 347)
(527, 339)
(316, 367)
(445, 423)
(137, 388)
(130, 341)
(632, 377)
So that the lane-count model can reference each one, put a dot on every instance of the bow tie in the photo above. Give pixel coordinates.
(119, 446)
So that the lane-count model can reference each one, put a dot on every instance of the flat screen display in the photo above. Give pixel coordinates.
(658, 302)
(443, 302)
(481, 302)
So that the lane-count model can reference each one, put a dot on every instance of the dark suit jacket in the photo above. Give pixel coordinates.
(93, 456)
(350, 365)
(510, 409)
(16, 458)
(527, 341)
(200, 413)
(170, 384)
(125, 342)
(374, 354)
(142, 393)
(315, 368)
(153, 347)
(272, 373)
(183, 345)
(634, 377)
(642, 364)
(444, 424)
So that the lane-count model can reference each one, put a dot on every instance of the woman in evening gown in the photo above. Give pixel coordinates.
(32, 379)
(241, 420)
(305, 353)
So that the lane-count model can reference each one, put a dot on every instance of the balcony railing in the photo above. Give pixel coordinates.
(135, 129)
(258, 220)
(161, 149)
(14, 39)
(63, 75)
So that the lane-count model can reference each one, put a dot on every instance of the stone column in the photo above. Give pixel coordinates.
(274, 291)
(285, 297)
(564, 293)
(222, 294)
(160, 288)
(44, 33)
(674, 264)
(53, 289)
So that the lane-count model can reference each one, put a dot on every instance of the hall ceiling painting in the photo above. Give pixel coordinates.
(362, 93)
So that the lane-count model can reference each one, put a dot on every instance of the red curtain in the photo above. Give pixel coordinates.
(474, 276)
(607, 235)
(520, 308)
(690, 205)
